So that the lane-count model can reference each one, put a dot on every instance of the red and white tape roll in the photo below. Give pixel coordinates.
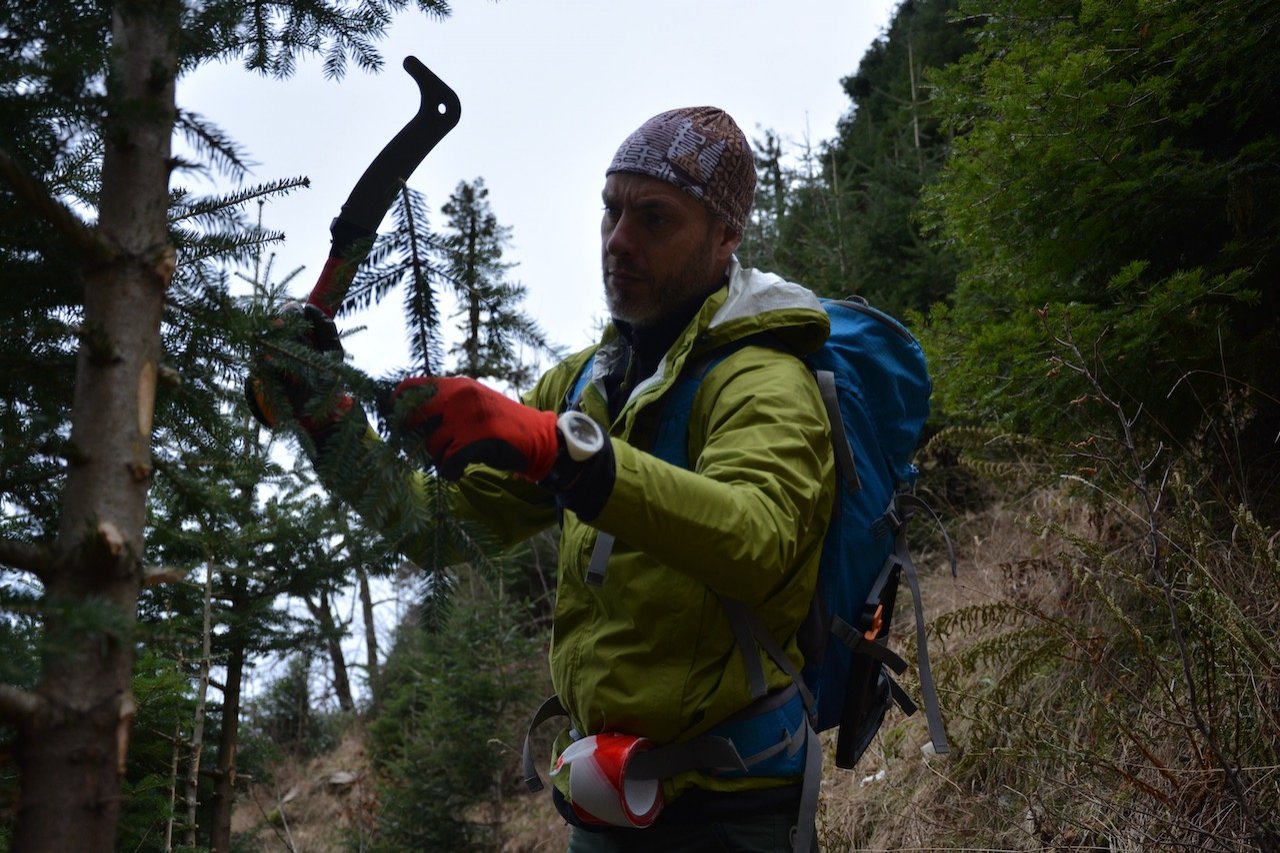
(598, 788)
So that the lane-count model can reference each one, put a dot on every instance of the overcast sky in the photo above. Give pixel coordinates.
(549, 88)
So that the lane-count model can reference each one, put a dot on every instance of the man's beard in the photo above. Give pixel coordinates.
(660, 297)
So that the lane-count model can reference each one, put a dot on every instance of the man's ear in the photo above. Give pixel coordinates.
(727, 241)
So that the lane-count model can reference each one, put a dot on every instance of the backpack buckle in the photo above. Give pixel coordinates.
(877, 623)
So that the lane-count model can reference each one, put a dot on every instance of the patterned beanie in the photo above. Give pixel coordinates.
(702, 151)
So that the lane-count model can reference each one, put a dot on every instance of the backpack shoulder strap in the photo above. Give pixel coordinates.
(839, 438)
(671, 442)
(574, 394)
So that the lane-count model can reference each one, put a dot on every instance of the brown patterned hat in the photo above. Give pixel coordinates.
(702, 151)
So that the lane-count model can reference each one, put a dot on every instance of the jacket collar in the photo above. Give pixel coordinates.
(751, 303)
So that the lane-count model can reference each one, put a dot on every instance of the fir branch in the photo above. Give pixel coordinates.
(36, 559)
(230, 245)
(208, 139)
(220, 205)
(30, 189)
(79, 174)
(18, 706)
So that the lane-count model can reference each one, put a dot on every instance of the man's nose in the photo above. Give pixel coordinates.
(619, 239)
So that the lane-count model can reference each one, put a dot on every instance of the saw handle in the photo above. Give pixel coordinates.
(354, 228)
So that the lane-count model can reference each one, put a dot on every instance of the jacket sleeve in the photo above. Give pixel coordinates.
(760, 494)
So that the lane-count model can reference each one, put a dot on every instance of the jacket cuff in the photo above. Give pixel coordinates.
(583, 487)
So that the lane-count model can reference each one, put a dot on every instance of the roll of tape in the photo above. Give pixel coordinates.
(599, 789)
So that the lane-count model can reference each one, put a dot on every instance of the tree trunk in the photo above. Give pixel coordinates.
(174, 762)
(71, 750)
(370, 638)
(191, 796)
(224, 777)
(333, 643)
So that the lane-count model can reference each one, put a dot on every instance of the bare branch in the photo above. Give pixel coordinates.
(38, 197)
(157, 575)
(26, 556)
(17, 706)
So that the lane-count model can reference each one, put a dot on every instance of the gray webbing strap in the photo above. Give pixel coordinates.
(716, 752)
(740, 622)
(928, 692)
(770, 645)
(856, 642)
(719, 754)
(703, 753)
(895, 518)
(807, 818)
(746, 626)
(550, 708)
(839, 439)
(905, 702)
(599, 558)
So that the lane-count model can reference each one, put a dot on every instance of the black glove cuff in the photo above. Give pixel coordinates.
(583, 487)
(351, 426)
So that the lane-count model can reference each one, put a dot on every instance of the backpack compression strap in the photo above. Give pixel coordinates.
(894, 520)
(928, 693)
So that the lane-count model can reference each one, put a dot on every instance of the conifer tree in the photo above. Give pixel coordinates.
(844, 216)
(493, 326)
(88, 104)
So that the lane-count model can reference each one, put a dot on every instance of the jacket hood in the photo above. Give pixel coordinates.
(757, 302)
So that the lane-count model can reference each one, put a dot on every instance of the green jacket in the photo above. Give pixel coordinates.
(651, 652)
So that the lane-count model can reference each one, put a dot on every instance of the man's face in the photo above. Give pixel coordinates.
(660, 247)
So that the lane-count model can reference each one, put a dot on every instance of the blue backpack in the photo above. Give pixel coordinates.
(875, 385)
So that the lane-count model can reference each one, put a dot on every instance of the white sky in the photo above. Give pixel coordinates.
(549, 88)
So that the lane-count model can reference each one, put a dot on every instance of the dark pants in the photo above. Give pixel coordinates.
(761, 833)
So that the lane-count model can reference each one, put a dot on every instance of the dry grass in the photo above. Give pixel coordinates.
(1075, 727)
(320, 805)
(303, 810)
(532, 825)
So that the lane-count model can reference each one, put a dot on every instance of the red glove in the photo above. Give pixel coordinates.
(465, 422)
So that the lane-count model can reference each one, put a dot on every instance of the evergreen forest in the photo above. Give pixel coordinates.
(1072, 204)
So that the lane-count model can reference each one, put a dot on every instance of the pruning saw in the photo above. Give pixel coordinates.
(353, 229)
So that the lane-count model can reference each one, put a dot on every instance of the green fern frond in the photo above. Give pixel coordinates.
(976, 619)
(991, 453)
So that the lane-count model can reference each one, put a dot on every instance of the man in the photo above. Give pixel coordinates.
(655, 553)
